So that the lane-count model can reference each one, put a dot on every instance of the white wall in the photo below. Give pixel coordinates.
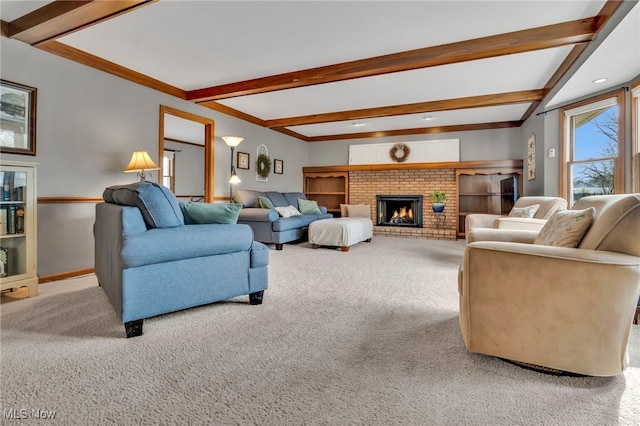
(88, 124)
(498, 144)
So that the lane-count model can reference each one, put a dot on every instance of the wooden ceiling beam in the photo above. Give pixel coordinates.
(417, 131)
(416, 108)
(545, 37)
(60, 18)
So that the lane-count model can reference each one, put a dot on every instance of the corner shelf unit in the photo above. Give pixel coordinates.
(488, 191)
(329, 189)
(18, 226)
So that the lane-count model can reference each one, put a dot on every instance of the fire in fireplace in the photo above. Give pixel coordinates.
(399, 210)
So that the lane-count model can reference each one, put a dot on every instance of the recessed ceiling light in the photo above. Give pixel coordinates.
(357, 124)
(599, 80)
(428, 118)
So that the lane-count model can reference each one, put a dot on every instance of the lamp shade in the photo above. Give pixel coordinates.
(140, 161)
(234, 179)
(232, 140)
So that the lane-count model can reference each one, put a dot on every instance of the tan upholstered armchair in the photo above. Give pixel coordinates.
(548, 206)
(569, 309)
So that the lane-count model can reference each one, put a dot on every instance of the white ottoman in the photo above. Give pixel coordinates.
(341, 232)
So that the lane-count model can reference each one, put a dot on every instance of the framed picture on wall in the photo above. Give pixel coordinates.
(531, 157)
(17, 118)
(243, 160)
(278, 167)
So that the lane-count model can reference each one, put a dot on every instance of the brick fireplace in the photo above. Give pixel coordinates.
(364, 186)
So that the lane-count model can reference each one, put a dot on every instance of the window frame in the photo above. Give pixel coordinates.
(567, 139)
(635, 136)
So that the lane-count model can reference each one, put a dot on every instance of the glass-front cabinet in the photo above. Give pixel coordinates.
(18, 226)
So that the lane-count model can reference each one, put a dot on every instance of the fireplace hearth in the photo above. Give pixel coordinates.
(399, 210)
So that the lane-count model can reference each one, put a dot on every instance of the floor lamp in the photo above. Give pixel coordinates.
(232, 142)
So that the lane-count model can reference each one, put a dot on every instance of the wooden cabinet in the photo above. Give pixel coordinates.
(18, 223)
(329, 189)
(491, 191)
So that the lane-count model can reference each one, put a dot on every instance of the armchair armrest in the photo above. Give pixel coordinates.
(564, 308)
(481, 220)
(505, 235)
(254, 214)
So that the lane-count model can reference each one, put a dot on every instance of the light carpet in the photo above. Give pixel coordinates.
(368, 337)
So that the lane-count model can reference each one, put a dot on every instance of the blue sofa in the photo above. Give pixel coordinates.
(149, 262)
(268, 226)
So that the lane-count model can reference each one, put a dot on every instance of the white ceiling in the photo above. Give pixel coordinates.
(198, 44)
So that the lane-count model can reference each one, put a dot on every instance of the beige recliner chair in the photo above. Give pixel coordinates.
(569, 309)
(548, 206)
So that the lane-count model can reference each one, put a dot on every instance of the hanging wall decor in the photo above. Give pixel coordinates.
(399, 152)
(531, 157)
(263, 164)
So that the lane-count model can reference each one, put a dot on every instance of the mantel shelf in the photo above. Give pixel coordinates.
(458, 165)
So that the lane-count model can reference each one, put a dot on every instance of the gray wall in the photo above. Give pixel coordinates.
(89, 123)
(499, 144)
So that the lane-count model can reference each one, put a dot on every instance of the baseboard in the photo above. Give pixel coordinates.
(65, 275)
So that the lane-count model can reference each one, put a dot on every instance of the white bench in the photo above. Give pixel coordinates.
(340, 232)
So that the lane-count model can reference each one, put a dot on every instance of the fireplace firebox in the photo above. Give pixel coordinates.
(399, 210)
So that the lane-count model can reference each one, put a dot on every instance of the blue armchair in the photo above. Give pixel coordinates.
(149, 262)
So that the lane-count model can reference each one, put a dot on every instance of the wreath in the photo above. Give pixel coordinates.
(263, 165)
(399, 152)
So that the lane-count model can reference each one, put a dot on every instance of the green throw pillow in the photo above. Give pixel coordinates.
(266, 203)
(199, 213)
(308, 207)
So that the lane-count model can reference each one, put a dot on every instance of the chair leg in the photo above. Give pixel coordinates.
(256, 298)
(278, 246)
(133, 328)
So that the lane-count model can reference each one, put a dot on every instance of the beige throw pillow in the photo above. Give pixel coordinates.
(358, 210)
(344, 209)
(528, 212)
(565, 228)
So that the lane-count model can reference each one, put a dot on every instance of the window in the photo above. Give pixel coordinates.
(169, 169)
(592, 155)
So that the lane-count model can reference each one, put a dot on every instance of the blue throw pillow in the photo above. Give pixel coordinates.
(158, 205)
(199, 213)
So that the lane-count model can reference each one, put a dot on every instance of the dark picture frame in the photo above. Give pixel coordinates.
(17, 118)
(242, 160)
(278, 166)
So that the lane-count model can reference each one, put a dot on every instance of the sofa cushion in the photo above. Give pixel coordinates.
(158, 205)
(277, 198)
(185, 242)
(199, 213)
(526, 212)
(288, 223)
(266, 203)
(566, 228)
(308, 207)
(293, 197)
(247, 197)
(288, 211)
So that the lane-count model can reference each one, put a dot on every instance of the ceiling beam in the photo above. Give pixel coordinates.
(60, 18)
(497, 99)
(603, 16)
(418, 131)
(250, 118)
(545, 37)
